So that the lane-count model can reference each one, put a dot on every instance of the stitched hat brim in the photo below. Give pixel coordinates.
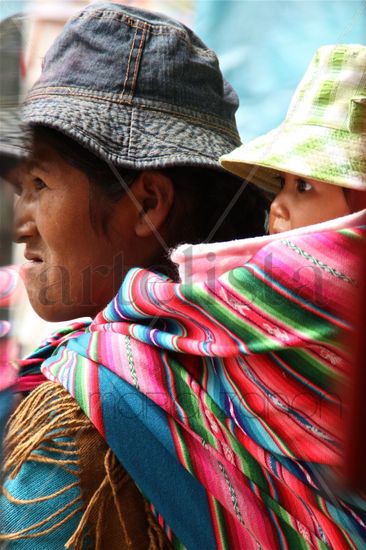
(138, 136)
(315, 152)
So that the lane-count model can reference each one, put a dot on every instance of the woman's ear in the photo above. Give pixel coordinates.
(154, 192)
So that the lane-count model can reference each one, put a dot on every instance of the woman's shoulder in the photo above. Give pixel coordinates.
(62, 482)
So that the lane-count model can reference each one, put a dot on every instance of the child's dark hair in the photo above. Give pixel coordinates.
(203, 196)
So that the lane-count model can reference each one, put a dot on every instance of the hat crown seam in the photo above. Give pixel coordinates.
(132, 21)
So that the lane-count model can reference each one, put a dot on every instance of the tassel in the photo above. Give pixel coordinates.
(114, 470)
(98, 499)
(32, 425)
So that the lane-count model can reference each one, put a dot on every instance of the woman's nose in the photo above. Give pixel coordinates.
(24, 222)
(279, 215)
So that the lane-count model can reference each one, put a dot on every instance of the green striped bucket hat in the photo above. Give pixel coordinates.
(324, 134)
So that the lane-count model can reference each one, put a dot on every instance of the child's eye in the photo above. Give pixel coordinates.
(303, 186)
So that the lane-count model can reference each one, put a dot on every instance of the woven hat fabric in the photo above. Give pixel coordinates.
(324, 134)
(136, 88)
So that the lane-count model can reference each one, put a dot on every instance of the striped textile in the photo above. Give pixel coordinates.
(222, 398)
(10, 290)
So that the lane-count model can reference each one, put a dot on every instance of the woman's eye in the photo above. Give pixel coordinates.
(39, 184)
(303, 186)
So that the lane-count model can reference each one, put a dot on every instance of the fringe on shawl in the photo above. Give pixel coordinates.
(109, 490)
(35, 426)
(49, 412)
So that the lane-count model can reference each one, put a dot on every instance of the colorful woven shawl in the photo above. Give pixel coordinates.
(222, 397)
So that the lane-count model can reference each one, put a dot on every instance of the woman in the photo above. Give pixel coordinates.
(127, 121)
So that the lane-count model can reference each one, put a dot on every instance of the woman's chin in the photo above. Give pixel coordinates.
(55, 311)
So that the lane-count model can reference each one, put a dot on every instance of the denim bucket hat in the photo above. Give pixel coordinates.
(324, 134)
(136, 88)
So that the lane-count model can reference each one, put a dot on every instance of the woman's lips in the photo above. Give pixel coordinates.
(32, 257)
(33, 261)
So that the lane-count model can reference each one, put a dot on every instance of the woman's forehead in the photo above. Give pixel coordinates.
(37, 162)
(47, 159)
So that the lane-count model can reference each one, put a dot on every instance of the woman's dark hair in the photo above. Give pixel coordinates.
(7, 163)
(209, 205)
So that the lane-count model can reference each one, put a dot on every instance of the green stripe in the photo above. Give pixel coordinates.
(81, 389)
(250, 467)
(301, 362)
(254, 339)
(190, 403)
(292, 537)
(220, 521)
(351, 233)
(183, 448)
(284, 309)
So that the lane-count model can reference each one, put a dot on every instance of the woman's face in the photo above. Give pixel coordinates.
(304, 202)
(73, 266)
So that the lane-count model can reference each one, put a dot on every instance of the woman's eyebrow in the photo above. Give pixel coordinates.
(39, 164)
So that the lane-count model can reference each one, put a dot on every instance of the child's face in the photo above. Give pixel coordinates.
(303, 202)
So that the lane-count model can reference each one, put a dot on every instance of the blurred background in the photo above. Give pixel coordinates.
(263, 46)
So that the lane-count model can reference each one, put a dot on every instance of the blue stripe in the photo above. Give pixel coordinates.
(139, 435)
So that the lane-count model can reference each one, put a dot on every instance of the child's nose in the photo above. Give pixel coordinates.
(279, 215)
